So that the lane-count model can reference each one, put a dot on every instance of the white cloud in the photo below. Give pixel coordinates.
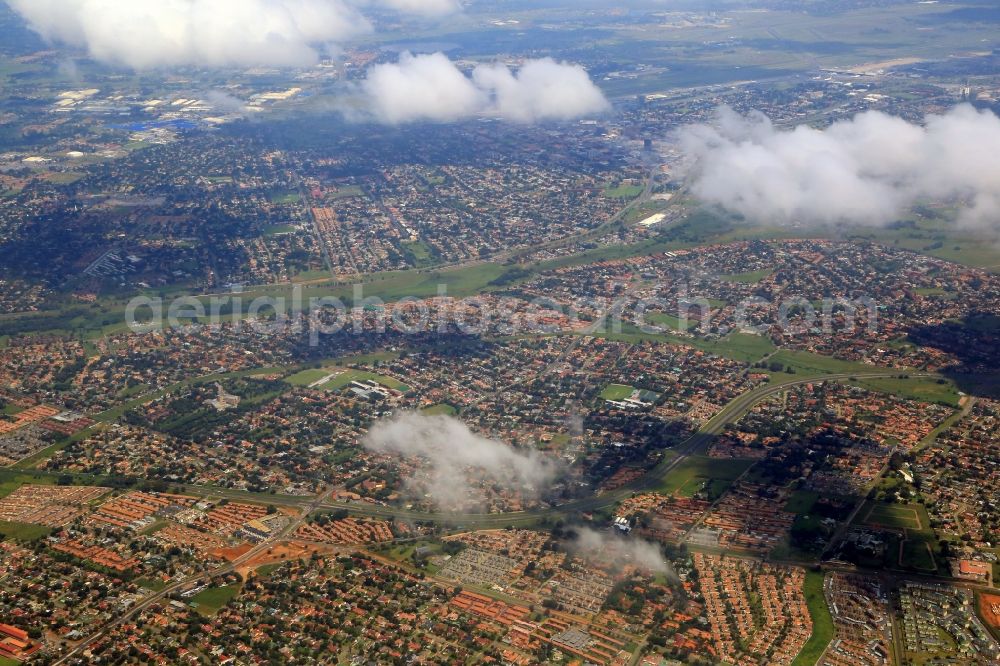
(619, 550)
(868, 170)
(541, 90)
(423, 87)
(432, 87)
(457, 460)
(146, 34)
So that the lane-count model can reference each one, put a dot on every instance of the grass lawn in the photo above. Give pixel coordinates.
(806, 363)
(211, 600)
(916, 554)
(420, 253)
(23, 531)
(269, 569)
(697, 471)
(893, 516)
(623, 191)
(743, 347)
(348, 376)
(278, 229)
(924, 389)
(670, 321)
(801, 502)
(155, 527)
(11, 481)
(307, 377)
(311, 275)
(617, 392)
(4, 661)
(63, 177)
(460, 282)
(823, 629)
(752, 277)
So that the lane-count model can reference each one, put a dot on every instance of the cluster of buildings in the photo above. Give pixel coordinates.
(940, 622)
(756, 610)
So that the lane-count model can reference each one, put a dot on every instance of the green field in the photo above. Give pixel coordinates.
(11, 481)
(742, 347)
(286, 198)
(807, 363)
(279, 229)
(342, 380)
(823, 629)
(623, 191)
(924, 389)
(801, 502)
(892, 516)
(211, 600)
(307, 377)
(916, 555)
(23, 531)
(617, 392)
(697, 472)
(268, 569)
(669, 321)
(420, 253)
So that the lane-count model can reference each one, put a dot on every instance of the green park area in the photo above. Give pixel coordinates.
(823, 629)
(893, 516)
(345, 378)
(210, 601)
(670, 321)
(698, 473)
(618, 392)
(801, 502)
(11, 481)
(308, 377)
(419, 253)
(916, 547)
(623, 191)
(22, 532)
